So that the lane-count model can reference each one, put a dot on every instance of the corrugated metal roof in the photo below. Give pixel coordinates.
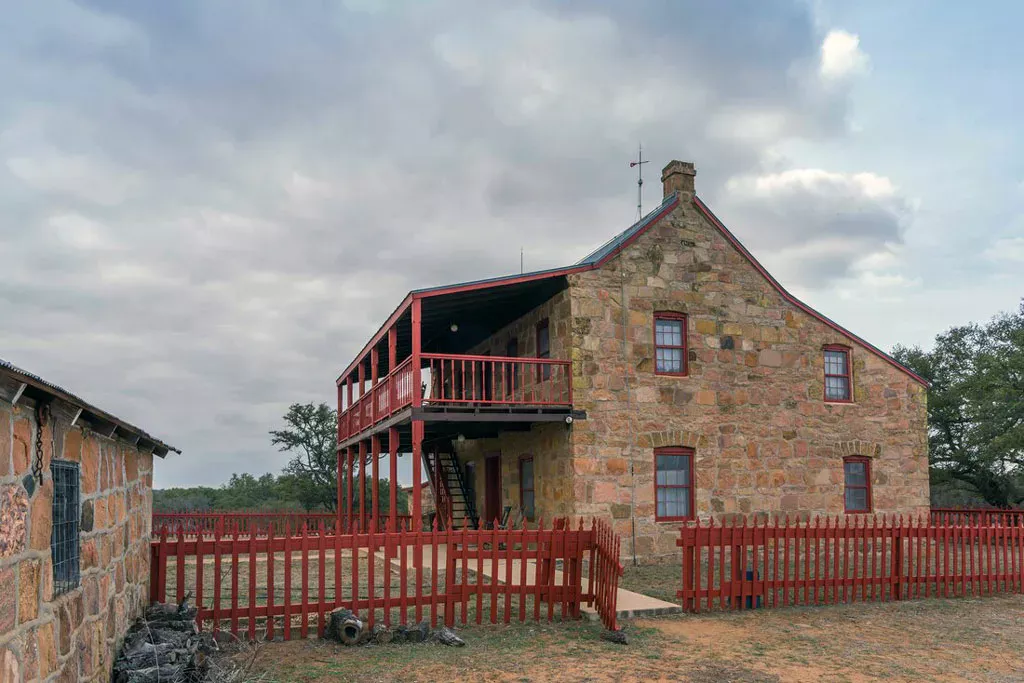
(60, 392)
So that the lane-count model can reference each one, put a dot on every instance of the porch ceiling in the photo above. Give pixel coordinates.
(479, 313)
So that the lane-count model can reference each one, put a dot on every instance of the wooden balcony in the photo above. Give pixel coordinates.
(462, 382)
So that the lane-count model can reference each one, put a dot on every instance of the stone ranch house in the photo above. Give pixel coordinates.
(75, 513)
(664, 377)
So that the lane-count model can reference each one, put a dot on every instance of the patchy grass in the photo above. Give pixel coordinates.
(657, 580)
(931, 640)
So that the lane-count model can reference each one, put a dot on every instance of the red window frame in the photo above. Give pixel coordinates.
(543, 371)
(866, 486)
(678, 317)
(845, 350)
(674, 450)
(522, 488)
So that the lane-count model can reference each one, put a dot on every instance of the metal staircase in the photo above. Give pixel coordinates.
(452, 496)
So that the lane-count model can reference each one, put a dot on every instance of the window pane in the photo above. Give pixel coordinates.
(837, 388)
(527, 474)
(528, 504)
(669, 360)
(855, 474)
(543, 341)
(673, 502)
(673, 470)
(668, 332)
(857, 499)
(835, 363)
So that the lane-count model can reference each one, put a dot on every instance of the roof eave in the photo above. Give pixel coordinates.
(92, 414)
(709, 214)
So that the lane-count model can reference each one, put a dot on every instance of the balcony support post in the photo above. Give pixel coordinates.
(374, 375)
(375, 469)
(392, 364)
(393, 476)
(362, 486)
(417, 384)
(350, 471)
(417, 473)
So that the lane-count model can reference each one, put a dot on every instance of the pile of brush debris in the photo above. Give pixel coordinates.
(164, 645)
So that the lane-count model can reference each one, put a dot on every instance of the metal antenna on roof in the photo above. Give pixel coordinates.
(639, 163)
(520, 260)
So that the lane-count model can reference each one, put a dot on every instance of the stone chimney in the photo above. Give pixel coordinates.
(678, 176)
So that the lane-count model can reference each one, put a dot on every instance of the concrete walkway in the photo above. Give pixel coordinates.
(628, 604)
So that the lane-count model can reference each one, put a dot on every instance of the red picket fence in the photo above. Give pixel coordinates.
(289, 584)
(1003, 516)
(845, 560)
(260, 523)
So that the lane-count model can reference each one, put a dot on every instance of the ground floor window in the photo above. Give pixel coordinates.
(673, 483)
(526, 494)
(857, 482)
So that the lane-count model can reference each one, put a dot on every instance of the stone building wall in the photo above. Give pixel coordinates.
(752, 405)
(75, 636)
(548, 443)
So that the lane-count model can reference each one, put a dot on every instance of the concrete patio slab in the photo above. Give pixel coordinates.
(629, 605)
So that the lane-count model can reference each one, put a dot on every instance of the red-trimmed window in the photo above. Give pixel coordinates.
(857, 484)
(673, 484)
(544, 348)
(669, 343)
(526, 495)
(838, 378)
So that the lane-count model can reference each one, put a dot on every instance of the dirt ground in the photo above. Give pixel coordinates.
(922, 640)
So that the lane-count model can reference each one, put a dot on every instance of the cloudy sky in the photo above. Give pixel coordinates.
(208, 207)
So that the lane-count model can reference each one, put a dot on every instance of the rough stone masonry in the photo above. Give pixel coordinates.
(74, 636)
(751, 405)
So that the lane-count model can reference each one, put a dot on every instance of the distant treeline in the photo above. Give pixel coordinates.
(267, 492)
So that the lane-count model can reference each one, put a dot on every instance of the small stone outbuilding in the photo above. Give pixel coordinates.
(75, 512)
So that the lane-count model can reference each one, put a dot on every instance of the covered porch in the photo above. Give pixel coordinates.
(430, 378)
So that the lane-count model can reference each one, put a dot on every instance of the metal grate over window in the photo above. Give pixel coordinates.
(64, 538)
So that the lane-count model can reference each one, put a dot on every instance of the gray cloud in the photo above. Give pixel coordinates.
(212, 204)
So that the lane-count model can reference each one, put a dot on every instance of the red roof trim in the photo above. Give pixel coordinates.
(502, 282)
(669, 208)
(376, 337)
(796, 302)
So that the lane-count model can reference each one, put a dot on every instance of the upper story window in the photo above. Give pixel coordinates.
(670, 343)
(64, 533)
(673, 484)
(511, 369)
(544, 347)
(838, 379)
(857, 484)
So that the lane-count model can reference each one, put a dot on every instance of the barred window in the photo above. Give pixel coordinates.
(64, 537)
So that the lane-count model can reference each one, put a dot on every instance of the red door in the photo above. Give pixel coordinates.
(492, 488)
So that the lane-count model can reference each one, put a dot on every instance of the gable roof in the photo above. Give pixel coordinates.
(612, 248)
(41, 388)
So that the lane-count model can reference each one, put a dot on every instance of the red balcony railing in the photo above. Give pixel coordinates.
(462, 381)
(497, 381)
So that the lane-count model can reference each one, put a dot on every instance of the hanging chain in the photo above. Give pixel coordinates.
(42, 417)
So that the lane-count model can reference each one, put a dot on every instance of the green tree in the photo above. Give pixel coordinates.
(311, 436)
(976, 406)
